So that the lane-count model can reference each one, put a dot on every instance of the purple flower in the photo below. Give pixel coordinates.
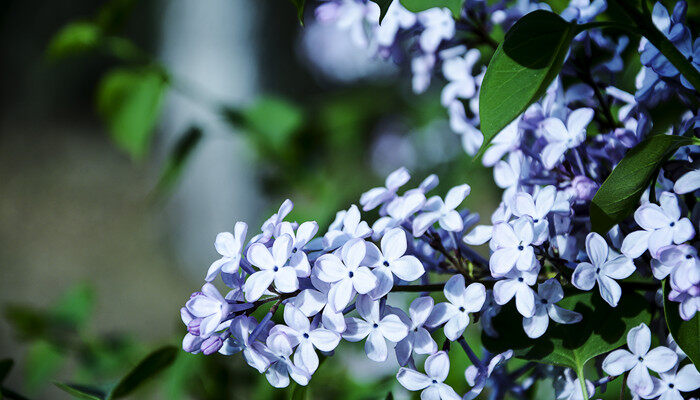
(346, 275)
(673, 382)
(347, 226)
(604, 269)
(375, 328)
(562, 138)
(461, 301)
(418, 339)
(398, 211)
(305, 232)
(690, 181)
(437, 367)
(273, 267)
(211, 307)
(458, 71)
(380, 195)
(517, 284)
(662, 226)
(548, 294)
(279, 351)
(435, 210)
(537, 209)
(639, 360)
(513, 247)
(477, 375)
(438, 25)
(392, 261)
(254, 353)
(229, 246)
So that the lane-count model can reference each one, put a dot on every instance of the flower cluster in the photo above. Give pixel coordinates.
(549, 164)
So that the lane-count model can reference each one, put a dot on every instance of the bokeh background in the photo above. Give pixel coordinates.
(103, 240)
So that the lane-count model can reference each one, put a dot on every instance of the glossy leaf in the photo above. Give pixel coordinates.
(129, 100)
(300, 5)
(521, 69)
(147, 368)
(81, 392)
(178, 158)
(602, 329)
(73, 39)
(455, 6)
(685, 333)
(619, 195)
(383, 8)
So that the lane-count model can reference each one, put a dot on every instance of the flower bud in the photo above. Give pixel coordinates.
(193, 326)
(211, 345)
(584, 187)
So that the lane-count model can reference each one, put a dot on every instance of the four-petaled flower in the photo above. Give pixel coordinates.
(392, 260)
(437, 367)
(279, 351)
(435, 210)
(273, 267)
(461, 301)
(418, 339)
(229, 246)
(562, 138)
(548, 294)
(375, 328)
(513, 247)
(604, 268)
(380, 195)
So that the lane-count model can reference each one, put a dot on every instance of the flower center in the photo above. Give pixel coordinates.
(520, 247)
(521, 279)
(688, 256)
(434, 381)
(461, 309)
(276, 269)
(640, 359)
(671, 385)
(672, 224)
(386, 263)
(375, 325)
(543, 301)
(306, 335)
(294, 250)
(351, 274)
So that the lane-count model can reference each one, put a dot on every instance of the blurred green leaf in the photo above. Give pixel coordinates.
(178, 158)
(42, 362)
(73, 39)
(299, 392)
(5, 367)
(130, 100)
(455, 6)
(619, 195)
(75, 306)
(602, 329)
(521, 69)
(147, 368)
(272, 121)
(28, 322)
(114, 13)
(299, 4)
(685, 333)
(81, 392)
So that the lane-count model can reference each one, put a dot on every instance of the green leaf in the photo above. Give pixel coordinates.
(75, 306)
(299, 4)
(685, 333)
(455, 6)
(521, 69)
(146, 369)
(43, 361)
(178, 158)
(5, 367)
(272, 121)
(619, 195)
(81, 392)
(73, 39)
(602, 329)
(129, 100)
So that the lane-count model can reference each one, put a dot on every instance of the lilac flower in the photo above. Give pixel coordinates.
(211, 307)
(562, 138)
(477, 375)
(548, 294)
(662, 226)
(689, 182)
(346, 274)
(483, 233)
(380, 195)
(458, 71)
(693, 55)
(517, 284)
(418, 339)
(639, 360)
(504, 142)
(397, 17)
(437, 367)
(392, 260)
(507, 173)
(604, 269)
(348, 226)
(461, 301)
(439, 25)
(305, 232)
(273, 267)
(229, 246)
(398, 211)
(673, 382)
(375, 328)
(354, 17)
(537, 209)
(583, 11)
(471, 136)
(569, 388)
(241, 327)
(269, 227)
(422, 70)
(674, 260)
(435, 210)
(300, 334)
(513, 247)
(279, 351)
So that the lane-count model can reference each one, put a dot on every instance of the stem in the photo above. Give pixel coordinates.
(661, 42)
(431, 287)
(622, 387)
(582, 381)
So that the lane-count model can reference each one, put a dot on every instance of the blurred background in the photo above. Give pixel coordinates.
(132, 132)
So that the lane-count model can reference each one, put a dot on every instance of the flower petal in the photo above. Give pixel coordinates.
(375, 346)
(412, 379)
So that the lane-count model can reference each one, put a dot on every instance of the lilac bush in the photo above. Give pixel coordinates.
(595, 193)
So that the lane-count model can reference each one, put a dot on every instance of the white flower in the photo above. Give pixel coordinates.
(375, 328)
(418, 339)
(537, 209)
(639, 360)
(437, 367)
(230, 247)
(513, 247)
(380, 195)
(273, 267)
(279, 351)
(391, 260)
(439, 25)
(347, 226)
(458, 71)
(211, 307)
(347, 276)
(398, 211)
(687, 183)
(548, 293)
(562, 138)
(517, 283)
(397, 17)
(435, 210)
(301, 335)
(241, 327)
(461, 301)
(604, 268)
(673, 382)
(305, 232)
(422, 69)
(662, 226)
(269, 227)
